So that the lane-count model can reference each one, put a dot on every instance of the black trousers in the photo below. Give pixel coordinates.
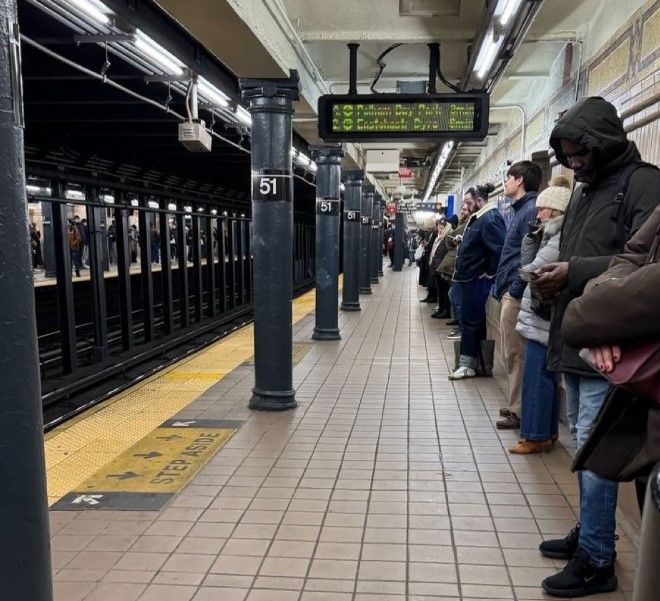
(442, 291)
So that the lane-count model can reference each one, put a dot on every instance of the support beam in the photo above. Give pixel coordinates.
(271, 107)
(25, 568)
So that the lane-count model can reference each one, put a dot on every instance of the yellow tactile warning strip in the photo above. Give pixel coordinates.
(78, 449)
(148, 474)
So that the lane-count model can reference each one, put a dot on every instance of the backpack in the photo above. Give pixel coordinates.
(621, 210)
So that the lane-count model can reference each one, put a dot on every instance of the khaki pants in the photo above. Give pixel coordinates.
(512, 349)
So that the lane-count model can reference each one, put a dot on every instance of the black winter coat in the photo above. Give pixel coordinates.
(589, 235)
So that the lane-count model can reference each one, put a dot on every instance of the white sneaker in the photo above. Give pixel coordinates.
(454, 335)
(462, 373)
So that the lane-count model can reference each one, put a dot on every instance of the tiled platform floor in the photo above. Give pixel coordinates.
(387, 483)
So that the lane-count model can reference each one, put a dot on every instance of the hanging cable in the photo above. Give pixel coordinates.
(443, 79)
(382, 65)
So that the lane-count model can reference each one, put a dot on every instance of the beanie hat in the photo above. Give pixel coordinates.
(556, 195)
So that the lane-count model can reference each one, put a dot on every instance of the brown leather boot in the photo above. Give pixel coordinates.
(528, 447)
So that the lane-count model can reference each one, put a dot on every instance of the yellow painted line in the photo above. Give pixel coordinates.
(162, 462)
(79, 448)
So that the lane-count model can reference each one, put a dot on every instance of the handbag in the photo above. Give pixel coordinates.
(638, 371)
(624, 441)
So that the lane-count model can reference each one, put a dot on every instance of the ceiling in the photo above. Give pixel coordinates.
(319, 31)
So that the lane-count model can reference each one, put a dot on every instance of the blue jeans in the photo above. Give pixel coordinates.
(540, 404)
(584, 398)
(473, 319)
(456, 300)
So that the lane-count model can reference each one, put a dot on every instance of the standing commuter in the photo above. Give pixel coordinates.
(112, 241)
(521, 186)
(476, 266)
(133, 242)
(617, 195)
(447, 271)
(73, 236)
(80, 226)
(539, 418)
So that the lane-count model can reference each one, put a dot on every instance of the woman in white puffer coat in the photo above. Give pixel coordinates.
(539, 418)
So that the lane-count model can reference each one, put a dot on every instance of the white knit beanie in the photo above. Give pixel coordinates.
(556, 195)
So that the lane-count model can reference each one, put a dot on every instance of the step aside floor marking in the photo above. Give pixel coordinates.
(147, 475)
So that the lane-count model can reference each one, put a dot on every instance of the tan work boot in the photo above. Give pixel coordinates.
(528, 447)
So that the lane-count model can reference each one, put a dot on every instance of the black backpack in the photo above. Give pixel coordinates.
(621, 210)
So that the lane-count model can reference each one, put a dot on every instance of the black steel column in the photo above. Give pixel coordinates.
(25, 571)
(365, 239)
(272, 243)
(165, 269)
(376, 243)
(399, 227)
(381, 234)
(328, 210)
(350, 296)
(95, 217)
(146, 277)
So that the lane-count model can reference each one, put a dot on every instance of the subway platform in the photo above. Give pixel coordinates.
(387, 483)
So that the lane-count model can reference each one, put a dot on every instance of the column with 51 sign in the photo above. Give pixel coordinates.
(272, 239)
(328, 211)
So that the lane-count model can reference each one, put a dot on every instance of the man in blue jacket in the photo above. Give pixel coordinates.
(476, 266)
(521, 186)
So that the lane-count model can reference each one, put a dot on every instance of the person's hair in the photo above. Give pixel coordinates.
(454, 221)
(484, 191)
(530, 172)
(471, 191)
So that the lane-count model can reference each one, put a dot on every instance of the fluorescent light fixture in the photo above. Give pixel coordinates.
(487, 53)
(135, 202)
(93, 10)
(243, 115)
(312, 167)
(242, 214)
(303, 159)
(171, 207)
(152, 204)
(214, 211)
(505, 9)
(187, 208)
(38, 190)
(423, 215)
(200, 210)
(294, 153)
(167, 61)
(212, 94)
(74, 195)
(437, 168)
(225, 213)
(342, 187)
(107, 198)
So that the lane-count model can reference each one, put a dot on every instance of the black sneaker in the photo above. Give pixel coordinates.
(581, 578)
(452, 322)
(562, 548)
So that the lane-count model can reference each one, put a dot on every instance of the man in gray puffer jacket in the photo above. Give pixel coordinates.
(540, 406)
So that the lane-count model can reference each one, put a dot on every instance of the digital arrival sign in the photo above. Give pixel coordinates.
(362, 117)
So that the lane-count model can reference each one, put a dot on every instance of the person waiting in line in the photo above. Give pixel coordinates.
(447, 271)
(617, 195)
(443, 310)
(431, 296)
(540, 402)
(476, 266)
(73, 235)
(521, 187)
(436, 254)
(625, 441)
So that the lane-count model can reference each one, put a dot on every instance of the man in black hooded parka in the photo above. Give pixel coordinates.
(617, 194)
